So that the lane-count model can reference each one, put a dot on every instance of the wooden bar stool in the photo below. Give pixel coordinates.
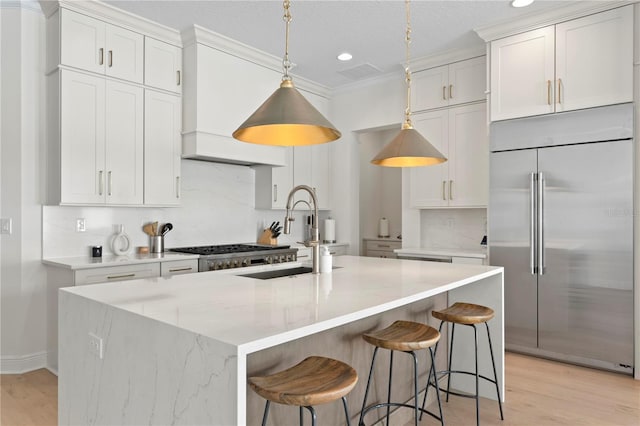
(405, 336)
(466, 314)
(315, 380)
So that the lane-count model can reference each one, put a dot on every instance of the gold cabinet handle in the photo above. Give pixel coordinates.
(180, 269)
(451, 91)
(110, 58)
(100, 182)
(115, 277)
(383, 246)
(177, 186)
(549, 92)
(178, 77)
(559, 90)
(451, 190)
(101, 58)
(444, 93)
(109, 183)
(444, 184)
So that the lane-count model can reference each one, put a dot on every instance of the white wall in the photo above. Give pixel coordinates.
(23, 287)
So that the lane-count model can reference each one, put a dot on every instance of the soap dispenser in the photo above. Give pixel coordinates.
(325, 260)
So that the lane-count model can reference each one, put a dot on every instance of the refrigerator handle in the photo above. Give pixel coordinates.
(540, 223)
(532, 223)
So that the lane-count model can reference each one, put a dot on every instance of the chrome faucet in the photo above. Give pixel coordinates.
(314, 242)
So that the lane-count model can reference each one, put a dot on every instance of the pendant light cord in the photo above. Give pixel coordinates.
(286, 64)
(407, 71)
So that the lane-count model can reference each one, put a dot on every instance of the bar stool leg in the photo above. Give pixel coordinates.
(313, 415)
(346, 410)
(495, 374)
(415, 387)
(301, 417)
(435, 378)
(389, 389)
(433, 367)
(475, 335)
(453, 330)
(266, 413)
(366, 392)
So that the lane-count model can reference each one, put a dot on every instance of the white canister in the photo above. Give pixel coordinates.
(383, 228)
(326, 261)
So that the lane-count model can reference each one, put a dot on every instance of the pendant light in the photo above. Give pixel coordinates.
(409, 148)
(286, 118)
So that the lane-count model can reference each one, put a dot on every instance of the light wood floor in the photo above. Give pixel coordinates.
(539, 392)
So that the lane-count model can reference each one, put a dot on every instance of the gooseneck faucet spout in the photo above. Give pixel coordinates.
(314, 242)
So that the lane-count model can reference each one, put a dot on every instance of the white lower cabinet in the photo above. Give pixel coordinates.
(100, 141)
(460, 133)
(178, 267)
(116, 273)
(384, 249)
(162, 148)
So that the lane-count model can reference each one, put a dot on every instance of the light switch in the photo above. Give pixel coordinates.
(6, 225)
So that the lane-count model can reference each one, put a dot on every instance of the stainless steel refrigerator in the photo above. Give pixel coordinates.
(561, 224)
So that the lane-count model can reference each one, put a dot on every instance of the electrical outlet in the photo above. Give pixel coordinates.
(6, 225)
(81, 225)
(95, 346)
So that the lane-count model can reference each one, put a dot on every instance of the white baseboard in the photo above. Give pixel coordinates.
(18, 364)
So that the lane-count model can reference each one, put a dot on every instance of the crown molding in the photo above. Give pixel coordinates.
(113, 15)
(31, 5)
(397, 76)
(200, 35)
(447, 57)
(536, 20)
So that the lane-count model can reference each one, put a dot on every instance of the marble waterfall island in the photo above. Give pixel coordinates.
(178, 350)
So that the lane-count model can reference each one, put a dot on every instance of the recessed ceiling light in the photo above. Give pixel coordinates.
(345, 56)
(521, 3)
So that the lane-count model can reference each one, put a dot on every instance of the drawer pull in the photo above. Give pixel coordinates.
(178, 77)
(101, 54)
(304, 255)
(110, 58)
(384, 245)
(332, 252)
(115, 277)
(181, 269)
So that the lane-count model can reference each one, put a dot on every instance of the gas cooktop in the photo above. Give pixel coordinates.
(226, 249)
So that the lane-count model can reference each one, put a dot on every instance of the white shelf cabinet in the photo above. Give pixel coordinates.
(100, 141)
(93, 45)
(162, 148)
(162, 65)
(582, 63)
(457, 83)
(460, 133)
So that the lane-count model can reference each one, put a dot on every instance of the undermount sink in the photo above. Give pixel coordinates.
(266, 275)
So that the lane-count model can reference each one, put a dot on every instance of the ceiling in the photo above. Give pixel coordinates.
(372, 31)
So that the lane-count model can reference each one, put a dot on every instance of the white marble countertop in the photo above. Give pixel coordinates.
(87, 262)
(253, 314)
(480, 253)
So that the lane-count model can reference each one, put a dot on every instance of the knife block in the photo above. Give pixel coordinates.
(267, 238)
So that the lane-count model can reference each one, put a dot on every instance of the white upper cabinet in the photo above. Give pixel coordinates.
(582, 63)
(162, 148)
(274, 183)
(93, 45)
(162, 65)
(101, 141)
(460, 133)
(453, 84)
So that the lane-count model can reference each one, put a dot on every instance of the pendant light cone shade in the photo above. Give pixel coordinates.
(286, 118)
(408, 149)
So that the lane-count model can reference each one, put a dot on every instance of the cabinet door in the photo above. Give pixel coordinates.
(522, 74)
(427, 185)
(467, 81)
(124, 143)
(468, 156)
(162, 65)
(282, 182)
(594, 60)
(321, 174)
(82, 41)
(162, 148)
(124, 54)
(430, 89)
(82, 138)
(302, 175)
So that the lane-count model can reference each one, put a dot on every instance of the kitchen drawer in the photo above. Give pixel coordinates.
(383, 245)
(389, 254)
(117, 273)
(178, 267)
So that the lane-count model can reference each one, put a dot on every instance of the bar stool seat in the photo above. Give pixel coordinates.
(404, 336)
(467, 314)
(315, 380)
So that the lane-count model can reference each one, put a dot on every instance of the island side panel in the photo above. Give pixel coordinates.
(151, 373)
(346, 344)
(487, 292)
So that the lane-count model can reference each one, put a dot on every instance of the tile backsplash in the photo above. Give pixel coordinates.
(217, 208)
(453, 228)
